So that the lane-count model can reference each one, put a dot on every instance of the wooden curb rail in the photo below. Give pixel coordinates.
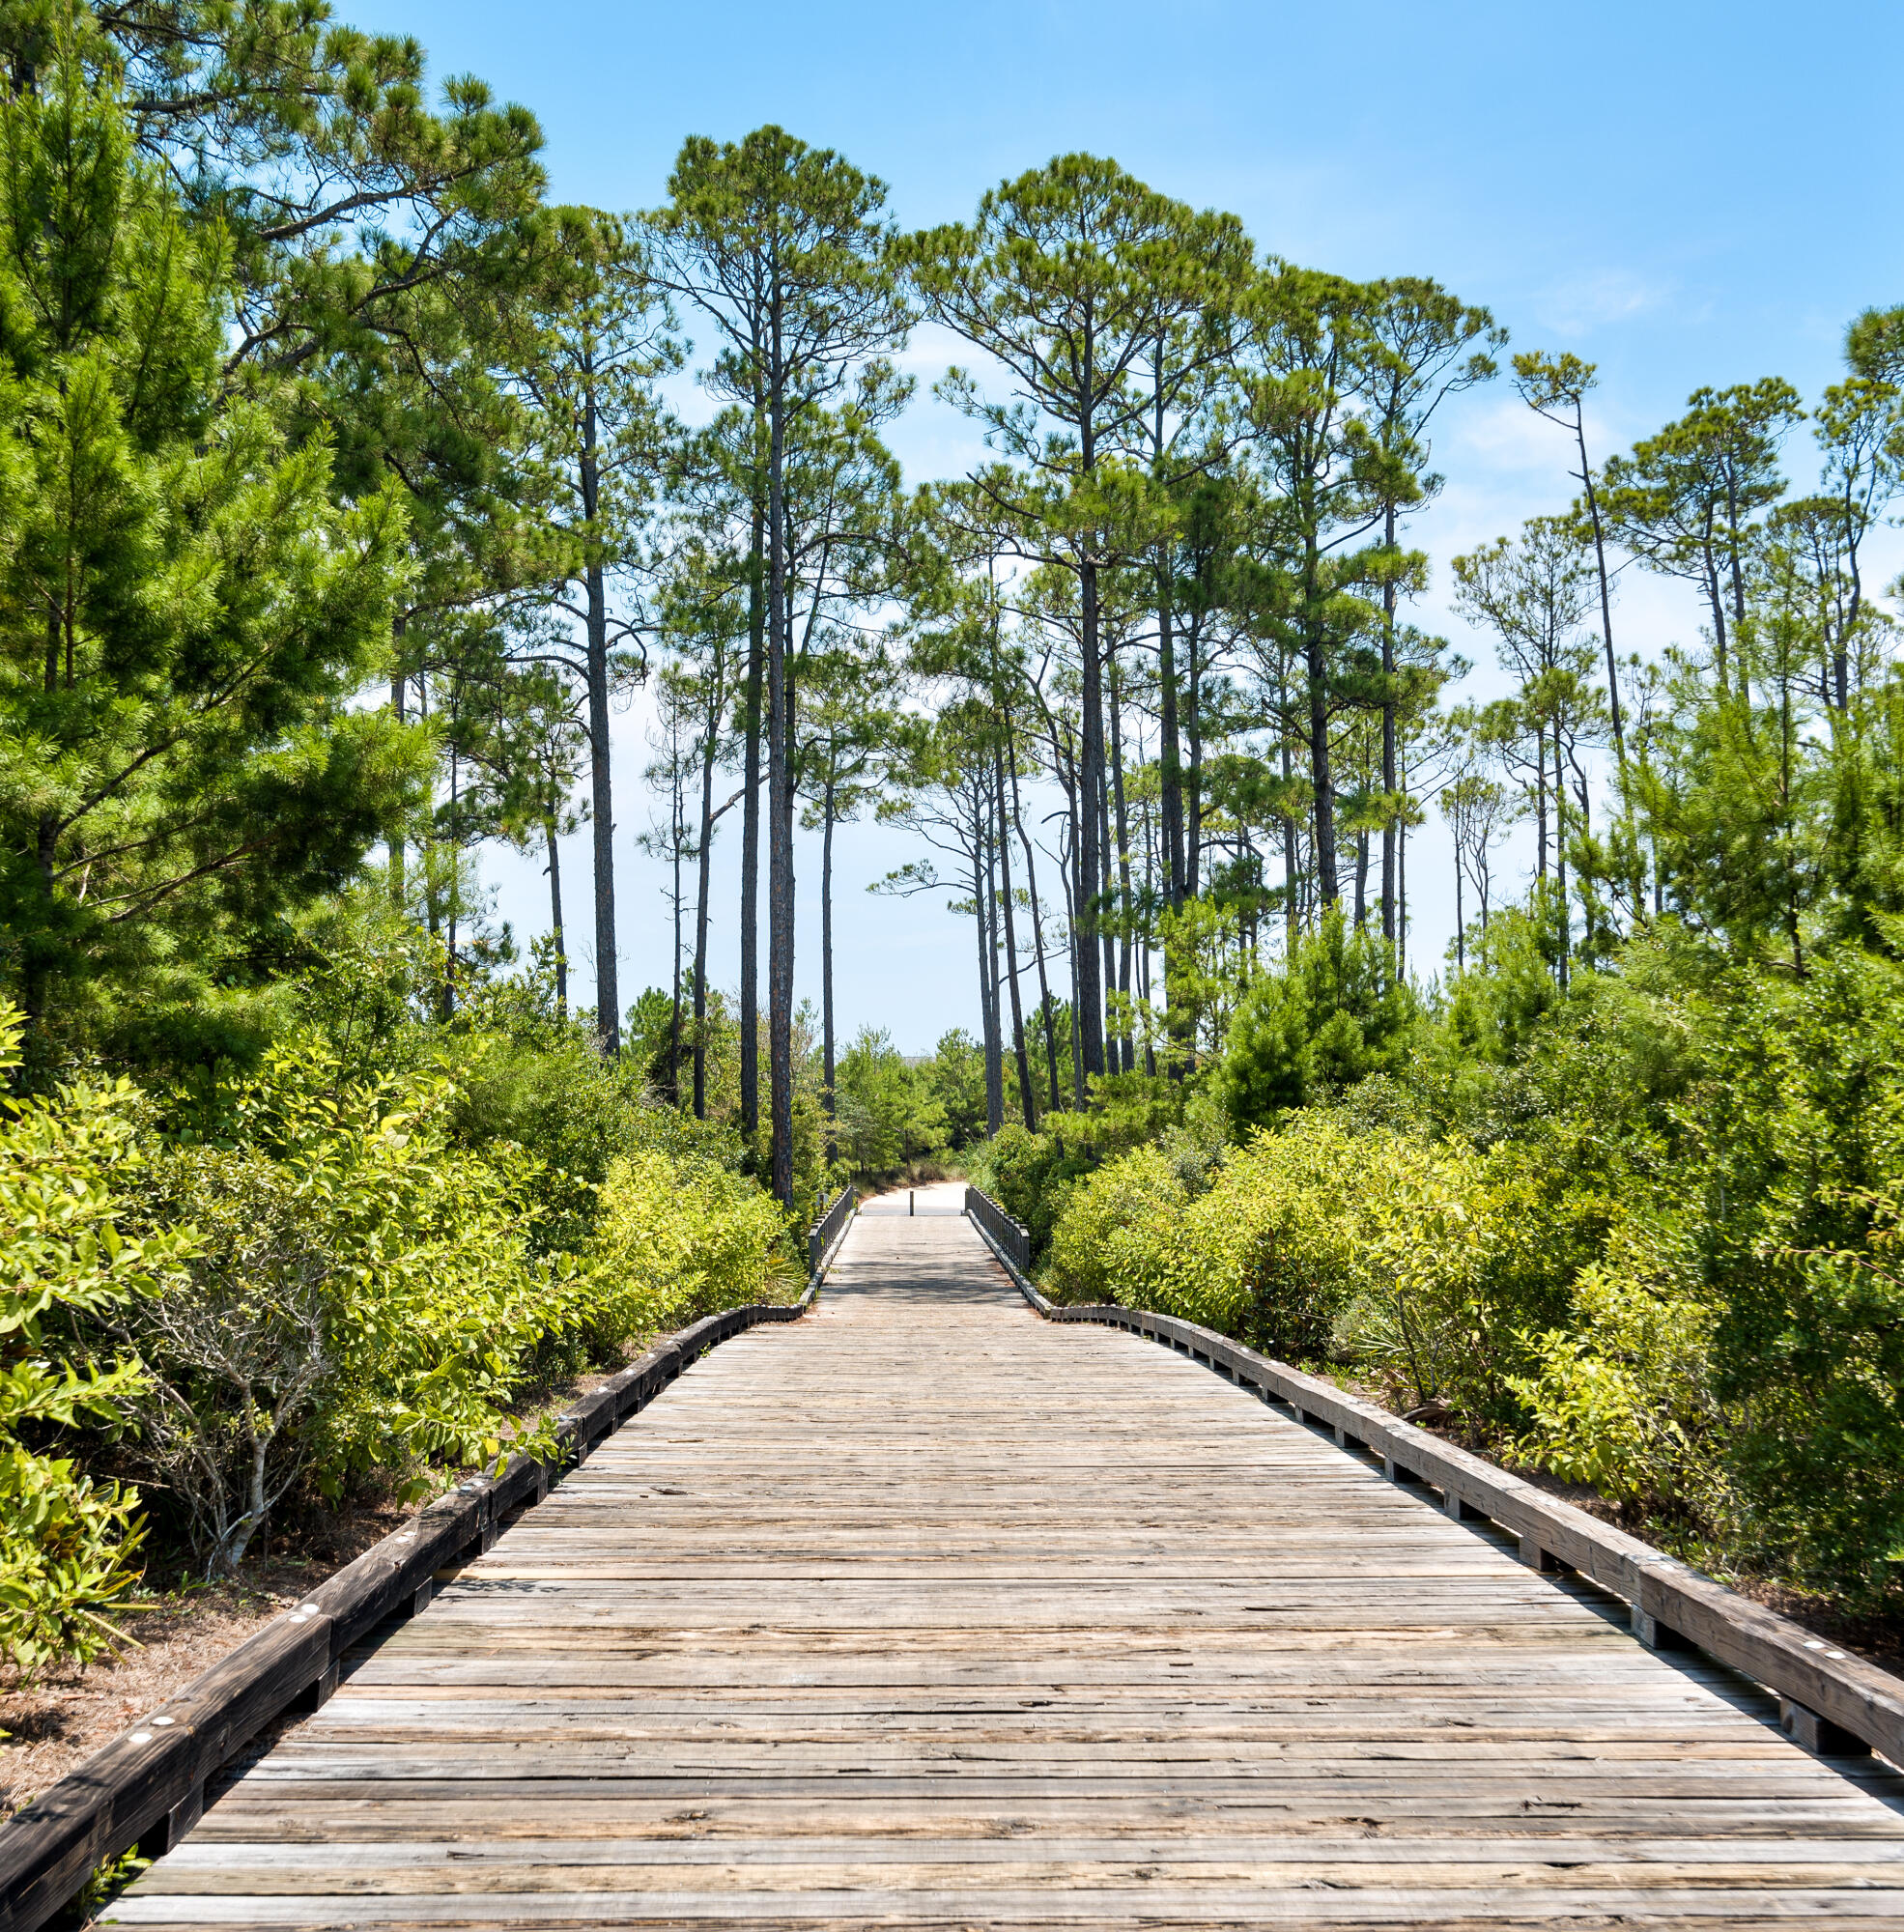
(145, 1788)
(1829, 1701)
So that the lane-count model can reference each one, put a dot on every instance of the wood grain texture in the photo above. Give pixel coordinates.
(923, 1612)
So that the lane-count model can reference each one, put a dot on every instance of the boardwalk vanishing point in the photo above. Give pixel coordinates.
(922, 1611)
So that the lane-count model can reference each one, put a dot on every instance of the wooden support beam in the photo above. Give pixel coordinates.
(1818, 1735)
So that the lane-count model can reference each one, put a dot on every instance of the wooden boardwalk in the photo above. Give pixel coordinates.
(923, 1612)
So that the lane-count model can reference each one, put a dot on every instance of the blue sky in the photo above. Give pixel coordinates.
(1684, 193)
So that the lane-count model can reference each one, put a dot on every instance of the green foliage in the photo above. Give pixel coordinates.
(1102, 1208)
(1795, 1143)
(955, 1079)
(678, 1239)
(363, 1292)
(67, 1542)
(1624, 1398)
(367, 1289)
(525, 1076)
(324, 1270)
(1299, 1234)
(886, 1112)
(1645, 1235)
(1029, 1174)
(185, 615)
(1493, 1012)
(1335, 1011)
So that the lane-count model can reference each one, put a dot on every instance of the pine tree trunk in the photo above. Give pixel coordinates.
(1539, 804)
(750, 909)
(984, 873)
(1388, 820)
(1402, 900)
(825, 967)
(554, 851)
(448, 1007)
(1054, 1099)
(1606, 593)
(674, 1010)
(607, 988)
(1020, 1053)
(779, 797)
(1560, 855)
(1460, 928)
(1126, 1050)
(399, 682)
(1103, 886)
(1144, 950)
(1079, 944)
(1193, 830)
(1087, 998)
(702, 886)
(1292, 911)
(1320, 776)
(1170, 749)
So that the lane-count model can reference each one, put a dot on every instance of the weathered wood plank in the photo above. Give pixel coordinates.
(925, 1612)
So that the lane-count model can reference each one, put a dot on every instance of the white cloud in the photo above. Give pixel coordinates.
(1577, 304)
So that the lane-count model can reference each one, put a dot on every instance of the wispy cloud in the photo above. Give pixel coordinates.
(1578, 304)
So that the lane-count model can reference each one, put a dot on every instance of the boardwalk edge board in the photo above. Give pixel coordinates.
(1831, 1703)
(145, 1788)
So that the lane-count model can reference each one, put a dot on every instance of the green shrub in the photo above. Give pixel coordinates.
(679, 1238)
(1336, 1010)
(1133, 1192)
(362, 1291)
(887, 1113)
(1262, 1254)
(1624, 1396)
(67, 1543)
(365, 1290)
(1794, 1157)
(1030, 1174)
(1362, 1244)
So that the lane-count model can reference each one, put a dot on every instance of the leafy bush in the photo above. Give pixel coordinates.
(1087, 1244)
(1622, 1398)
(1262, 1254)
(365, 1289)
(955, 1078)
(886, 1112)
(1794, 1157)
(1324, 1240)
(553, 1094)
(361, 1292)
(1335, 1011)
(1030, 1174)
(679, 1237)
(67, 1542)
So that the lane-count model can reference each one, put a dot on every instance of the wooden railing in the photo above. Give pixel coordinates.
(825, 1235)
(147, 1788)
(1011, 1238)
(1829, 1701)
